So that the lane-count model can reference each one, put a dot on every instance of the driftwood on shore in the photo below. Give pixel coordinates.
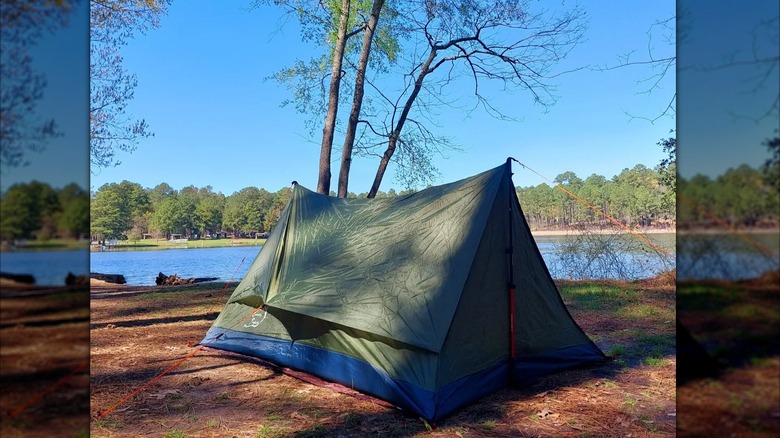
(174, 280)
(108, 278)
(76, 280)
(18, 278)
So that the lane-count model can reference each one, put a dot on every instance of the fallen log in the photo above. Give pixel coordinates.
(76, 280)
(108, 278)
(18, 278)
(175, 280)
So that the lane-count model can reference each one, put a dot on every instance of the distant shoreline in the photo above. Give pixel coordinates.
(139, 245)
(692, 231)
(600, 231)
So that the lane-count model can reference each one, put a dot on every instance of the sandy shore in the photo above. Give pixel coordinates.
(11, 284)
(94, 282)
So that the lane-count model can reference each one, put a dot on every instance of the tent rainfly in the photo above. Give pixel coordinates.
(428, 301)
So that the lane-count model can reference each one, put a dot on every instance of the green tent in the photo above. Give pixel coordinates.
(428, 301)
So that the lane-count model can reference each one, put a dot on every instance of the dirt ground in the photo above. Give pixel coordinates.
(139, 332)
(738, 326)
(44, 361)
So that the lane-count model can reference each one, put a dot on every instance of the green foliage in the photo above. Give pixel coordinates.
(739, 197)
(668, 170)
(114, 208)
(170, 216)
(771, 167)
(246, 209)
(27, 208)
(160, 192)
(36, 210)
(417, 50)
(75, 216)
(635, 196)
(280, 200)
(128, 210)
(208, 213)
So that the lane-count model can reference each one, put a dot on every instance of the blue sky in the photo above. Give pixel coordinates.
(723, 110)
(215, 117)
(217, 121)
(62, 57)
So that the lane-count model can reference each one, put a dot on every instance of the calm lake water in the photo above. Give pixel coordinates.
(142, 267)
(595, 256)
(567, 257)
(48, 267)
(727, 256)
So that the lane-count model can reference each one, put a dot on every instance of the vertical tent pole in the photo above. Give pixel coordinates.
(511, 283)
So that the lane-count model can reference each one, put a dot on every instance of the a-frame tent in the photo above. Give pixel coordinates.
(428, 301)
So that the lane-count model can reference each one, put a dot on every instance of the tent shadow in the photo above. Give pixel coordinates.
(476, 416)
(153, 321)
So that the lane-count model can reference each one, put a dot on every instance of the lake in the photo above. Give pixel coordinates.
(141, 267)
(48, 267)
(606, 256)
(727, 256)
(567, 257)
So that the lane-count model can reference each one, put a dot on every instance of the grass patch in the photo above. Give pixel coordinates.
(617, 350)
(655, 362)
(175, 433)
(647, 311)
(648, 423)
(488, 425)
(750, 311)
(629, 401)
(154, 244)
(108, 423)
(736, 323)
(597, 297)
(54, 244)
(658, 340)
(604, 383)
(157, 296)
(758, 361)
(266, 431)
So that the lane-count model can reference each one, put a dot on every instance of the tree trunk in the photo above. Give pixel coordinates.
(323, 183)
(357, 102)
(393, 140)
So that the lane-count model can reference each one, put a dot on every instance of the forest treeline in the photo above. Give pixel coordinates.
(743, 196)
(35, 210)
(127, 210)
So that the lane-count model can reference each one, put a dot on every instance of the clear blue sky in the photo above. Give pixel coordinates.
(62, 57)
(723, 110)
(217, 122)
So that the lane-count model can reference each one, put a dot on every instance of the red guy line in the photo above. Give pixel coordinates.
(48, 390)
